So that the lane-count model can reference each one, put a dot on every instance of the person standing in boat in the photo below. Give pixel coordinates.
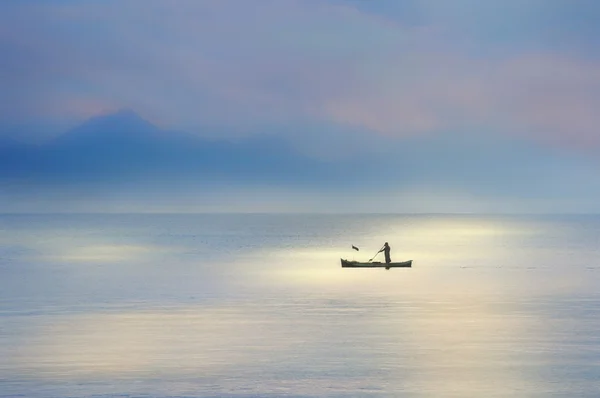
(386, 250)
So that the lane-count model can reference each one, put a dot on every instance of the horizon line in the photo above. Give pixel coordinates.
(233, 212)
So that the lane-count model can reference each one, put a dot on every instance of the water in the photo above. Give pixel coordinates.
(258, 305)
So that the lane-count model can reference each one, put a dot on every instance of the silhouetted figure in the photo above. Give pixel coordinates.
(386, 250)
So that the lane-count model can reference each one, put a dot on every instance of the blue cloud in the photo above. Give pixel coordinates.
(396, 85)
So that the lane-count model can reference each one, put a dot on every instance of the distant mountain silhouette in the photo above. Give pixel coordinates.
(122, 127)
(123, 157)
(124, 147)
(6, 143)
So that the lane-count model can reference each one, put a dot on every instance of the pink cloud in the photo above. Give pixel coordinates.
(546, 96)
(241, 63)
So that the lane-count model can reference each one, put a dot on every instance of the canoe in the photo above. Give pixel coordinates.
(375, 264)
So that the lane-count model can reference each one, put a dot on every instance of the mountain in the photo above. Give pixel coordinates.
(122, 158)
(124, 147)
(18, 160)
(7, 143)
(123, 150)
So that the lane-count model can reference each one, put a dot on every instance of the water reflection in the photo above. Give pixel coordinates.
(314, 346)
(173, 307)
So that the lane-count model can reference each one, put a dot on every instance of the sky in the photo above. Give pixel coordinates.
(517, 80)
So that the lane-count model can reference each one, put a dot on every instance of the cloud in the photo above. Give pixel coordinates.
(498, 26)
(419, 67)
(548, 97)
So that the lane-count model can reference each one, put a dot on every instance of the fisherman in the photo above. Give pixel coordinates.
(386, 249)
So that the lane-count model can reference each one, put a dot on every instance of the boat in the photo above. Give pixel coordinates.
(375, 264)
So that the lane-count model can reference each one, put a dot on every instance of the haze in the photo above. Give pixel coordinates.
(283, 105)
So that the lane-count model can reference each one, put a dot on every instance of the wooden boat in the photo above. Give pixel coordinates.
(375, 264)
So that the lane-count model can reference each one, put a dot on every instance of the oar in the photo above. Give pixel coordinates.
(379, 251)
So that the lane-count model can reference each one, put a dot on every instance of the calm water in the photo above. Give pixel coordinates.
(258, 305)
